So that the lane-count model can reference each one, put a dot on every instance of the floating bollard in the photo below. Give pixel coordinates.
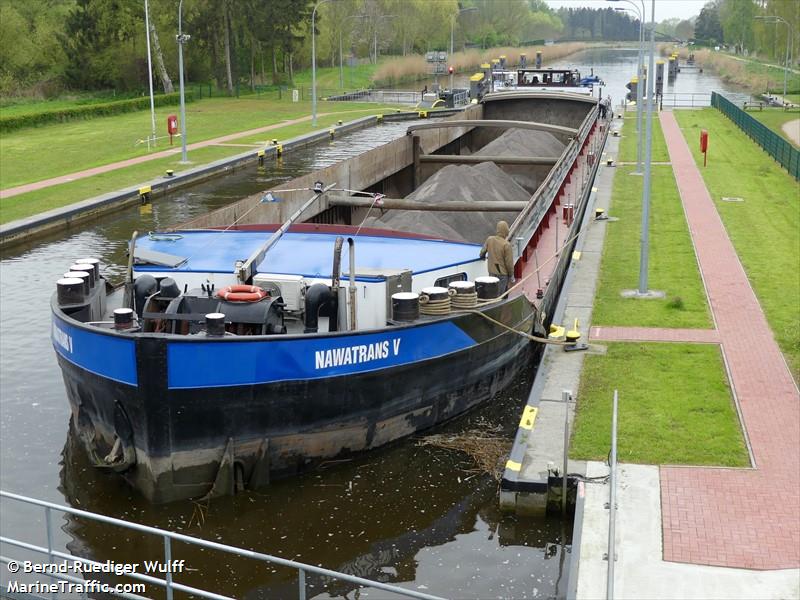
(144, 194)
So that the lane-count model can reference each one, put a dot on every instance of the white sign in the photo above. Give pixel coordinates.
(295, 95)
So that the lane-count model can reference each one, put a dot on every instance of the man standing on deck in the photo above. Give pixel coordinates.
(501, 262)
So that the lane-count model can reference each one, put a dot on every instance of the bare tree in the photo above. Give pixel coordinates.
(162, 70)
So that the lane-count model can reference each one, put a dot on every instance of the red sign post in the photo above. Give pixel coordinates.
(704, 145)
(172, 127)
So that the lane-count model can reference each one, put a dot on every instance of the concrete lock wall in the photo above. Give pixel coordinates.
(357, 173)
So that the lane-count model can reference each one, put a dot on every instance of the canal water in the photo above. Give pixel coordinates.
(415, 516)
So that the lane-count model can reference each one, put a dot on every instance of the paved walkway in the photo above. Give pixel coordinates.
(653, 334)
(745, 518)
(44, 183)
(792, 129)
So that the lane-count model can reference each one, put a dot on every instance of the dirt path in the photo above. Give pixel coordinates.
(792, 131)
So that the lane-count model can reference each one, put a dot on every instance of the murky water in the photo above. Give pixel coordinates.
(415, 516)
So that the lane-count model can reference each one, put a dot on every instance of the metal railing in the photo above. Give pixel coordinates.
(773, 144)
(169, 585)
(611, 556)
(529, 219)
(379, 96)
(685, 100)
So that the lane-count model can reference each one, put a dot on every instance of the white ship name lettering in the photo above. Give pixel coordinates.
(354, 355)
(62, 339)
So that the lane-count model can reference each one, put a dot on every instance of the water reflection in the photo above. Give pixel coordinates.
(408, 515)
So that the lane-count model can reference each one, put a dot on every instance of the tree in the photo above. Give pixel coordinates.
(166, 82)
(708, 27)
(737, 23)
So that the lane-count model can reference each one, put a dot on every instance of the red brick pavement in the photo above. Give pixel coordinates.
(654, 334)
(746, 518)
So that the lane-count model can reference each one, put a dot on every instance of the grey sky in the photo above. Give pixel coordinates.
(665, 9)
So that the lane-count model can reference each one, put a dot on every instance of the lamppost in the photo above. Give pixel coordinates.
(648, 167)
(640, 77)
(452, 34)
(150, 74)
(375, 34)
(182, 38)
(341, 68)
(789, 38)
(313, 62)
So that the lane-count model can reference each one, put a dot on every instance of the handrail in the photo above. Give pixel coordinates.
(528, 220)
(612, 501)
(169, 536)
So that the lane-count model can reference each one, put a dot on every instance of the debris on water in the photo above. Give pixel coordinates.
(484, 446)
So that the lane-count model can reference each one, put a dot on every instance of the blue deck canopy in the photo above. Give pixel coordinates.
(308, 254)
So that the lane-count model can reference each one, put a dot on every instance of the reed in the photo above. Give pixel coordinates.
(414, 67)
(751, 75)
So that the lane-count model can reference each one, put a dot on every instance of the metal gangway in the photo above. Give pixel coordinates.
(168, 584)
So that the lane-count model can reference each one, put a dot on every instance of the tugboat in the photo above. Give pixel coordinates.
(235, 354)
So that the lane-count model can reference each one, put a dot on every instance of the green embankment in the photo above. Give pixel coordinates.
(37, 153)
(764, 228)
(31, 203)
(628, 143)
(672, 261)
(675, 407)
(775, 118)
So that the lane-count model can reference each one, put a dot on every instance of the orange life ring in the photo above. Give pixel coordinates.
(242, 293)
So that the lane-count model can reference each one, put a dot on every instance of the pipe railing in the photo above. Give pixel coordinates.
(169, 585)
(612, 501)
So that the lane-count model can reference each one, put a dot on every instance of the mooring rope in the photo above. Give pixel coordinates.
(434, 307)
(461, 301)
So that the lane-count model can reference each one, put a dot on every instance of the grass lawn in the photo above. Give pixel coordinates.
(358, 77)
(628, 143)
(765, 228)
(37, 153)
(673, 265)
(774, 118)
(675, 407)
(31, 203)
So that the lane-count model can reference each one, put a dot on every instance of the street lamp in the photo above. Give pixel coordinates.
(182, 38)
(452, 34)
(640, 77)
(341, 27)
(313, 62)
(375, 33)
(789, 38)
(150, 74)
(648, 166)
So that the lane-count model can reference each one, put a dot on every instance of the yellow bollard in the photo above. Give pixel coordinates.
(573, 335)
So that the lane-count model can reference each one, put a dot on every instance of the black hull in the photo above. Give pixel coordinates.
(187, 443)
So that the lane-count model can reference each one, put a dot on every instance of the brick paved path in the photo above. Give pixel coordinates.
(654, 334)
(735, 517)
(38, 185)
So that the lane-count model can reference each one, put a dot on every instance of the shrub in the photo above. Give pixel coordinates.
(89, 111)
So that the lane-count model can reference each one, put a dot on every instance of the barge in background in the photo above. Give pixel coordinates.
(238, 352)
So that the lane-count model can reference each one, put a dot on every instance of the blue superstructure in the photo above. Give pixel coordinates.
(305, 254)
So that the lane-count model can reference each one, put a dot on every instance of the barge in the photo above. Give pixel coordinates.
(236, 352)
